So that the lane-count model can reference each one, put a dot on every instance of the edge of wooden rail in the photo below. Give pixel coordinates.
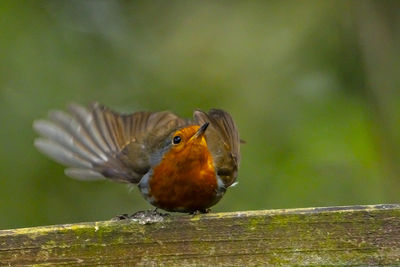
(363, 234)
(208, 216)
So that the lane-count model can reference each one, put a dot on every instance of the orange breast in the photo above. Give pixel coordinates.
(184, 180)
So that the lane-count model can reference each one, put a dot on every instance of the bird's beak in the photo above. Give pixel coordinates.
(201, 131)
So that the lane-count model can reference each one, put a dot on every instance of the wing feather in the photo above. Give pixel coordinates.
(223, 142)
(97, 143)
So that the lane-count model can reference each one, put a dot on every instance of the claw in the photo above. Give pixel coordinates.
(202, 211)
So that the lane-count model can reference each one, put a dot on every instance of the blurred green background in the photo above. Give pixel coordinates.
(312, 85)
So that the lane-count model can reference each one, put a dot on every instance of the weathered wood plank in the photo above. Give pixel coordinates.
(356, 235)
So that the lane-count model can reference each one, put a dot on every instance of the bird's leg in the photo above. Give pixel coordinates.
(208, 210)
(202, 211)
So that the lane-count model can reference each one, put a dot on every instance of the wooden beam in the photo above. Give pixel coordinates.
(355, 235)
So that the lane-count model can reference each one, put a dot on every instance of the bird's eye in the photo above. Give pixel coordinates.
(177, 139)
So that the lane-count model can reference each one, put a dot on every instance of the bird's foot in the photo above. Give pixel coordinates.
(202, 211)
(143, 217)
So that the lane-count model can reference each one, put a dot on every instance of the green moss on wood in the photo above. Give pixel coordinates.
(356, 235)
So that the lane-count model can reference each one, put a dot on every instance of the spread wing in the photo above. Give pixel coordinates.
(93, 142)
(223, 142)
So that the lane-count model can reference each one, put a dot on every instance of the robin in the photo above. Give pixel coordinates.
(179, 165)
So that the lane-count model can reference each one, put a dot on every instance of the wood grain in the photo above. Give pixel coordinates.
(354, 235)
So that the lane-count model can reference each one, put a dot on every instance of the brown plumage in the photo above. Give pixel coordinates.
(142, 148)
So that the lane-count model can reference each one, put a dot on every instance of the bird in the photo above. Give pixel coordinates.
(179, 165)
